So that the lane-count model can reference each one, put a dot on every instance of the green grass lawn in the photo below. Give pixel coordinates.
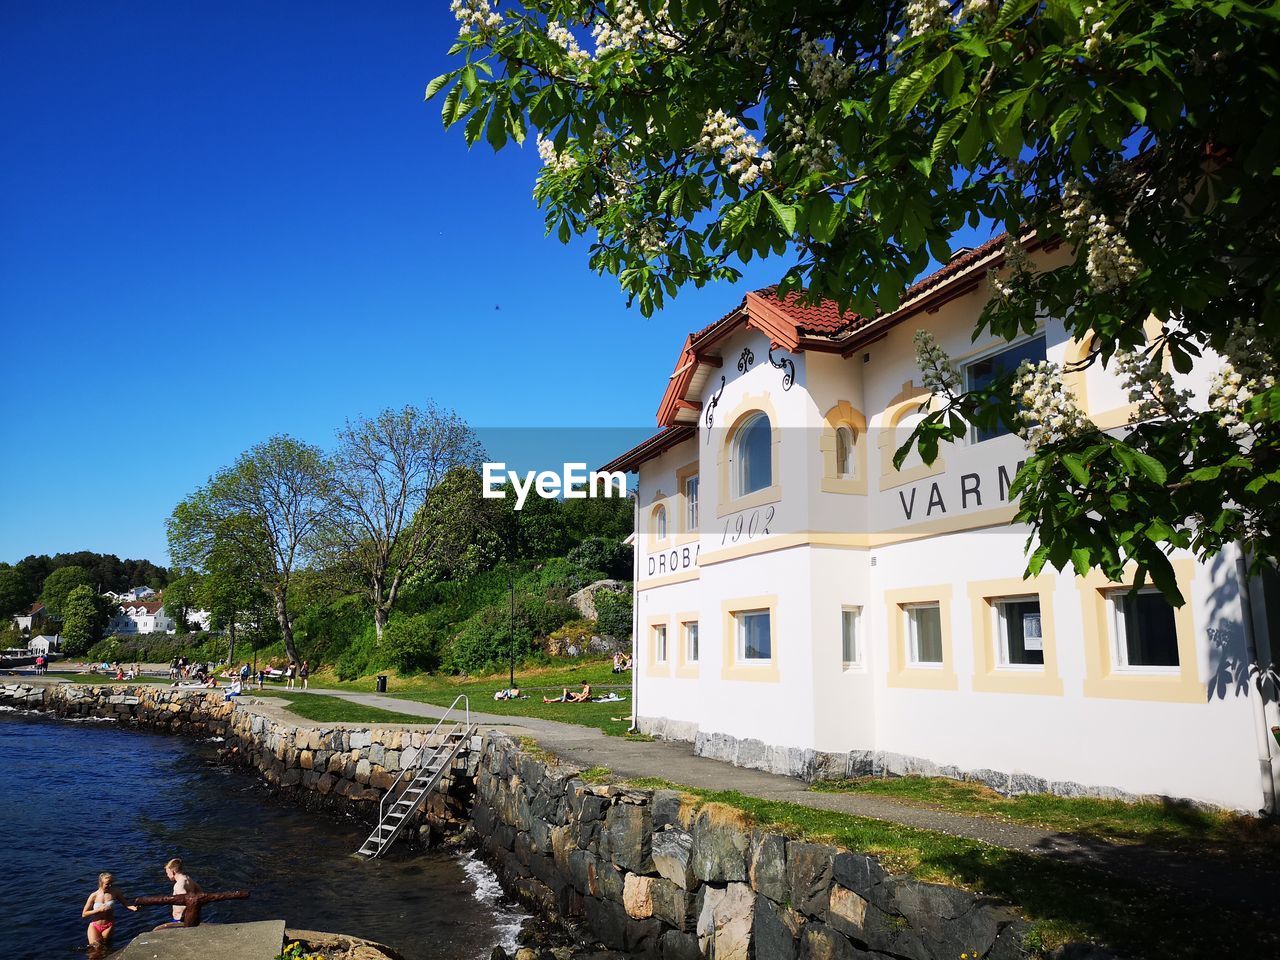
(325, 709)
(1064, 901)
(1167, 824)
(537, 682)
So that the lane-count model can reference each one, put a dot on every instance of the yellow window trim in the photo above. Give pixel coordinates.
(765, 671)
(684, 667)
(653, 667)
(843, 414)
(901, 672)
(988, 675)
(1103, 679)
(907, 401)
(726, 504)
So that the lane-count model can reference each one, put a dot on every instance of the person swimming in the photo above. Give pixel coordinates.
(101, 907)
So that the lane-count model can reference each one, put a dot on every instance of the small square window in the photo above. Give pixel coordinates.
(660, 643)
(755, 640)
(691, 641)
(1019, 634)
(924, 634)
(850, 654)
(1145, 632)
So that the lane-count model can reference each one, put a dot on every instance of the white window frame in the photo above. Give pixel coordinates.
(660, 522)
(913, 640)
(696, 636)
(691, 502)
(848, 469)
(661, 654)
(739, 458)
(851, 614)
(740, 639)
(971, 436)
(1119, 640)
(1000, 621)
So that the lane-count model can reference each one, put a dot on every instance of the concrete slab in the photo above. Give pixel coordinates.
(262, 940)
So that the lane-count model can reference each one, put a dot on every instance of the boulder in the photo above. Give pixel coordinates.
(637, 896)
(721, 837)
(724, 924)
(671, 904)
(774, 930)
(673, 857)
(584, 601)
(626, 838)
(768, 872)
(820, 942)
(676, 945)
(809, 869)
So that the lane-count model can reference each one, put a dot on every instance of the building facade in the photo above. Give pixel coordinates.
(141, 616)
(802, 606)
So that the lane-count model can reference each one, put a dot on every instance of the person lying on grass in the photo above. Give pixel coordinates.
(566, 697)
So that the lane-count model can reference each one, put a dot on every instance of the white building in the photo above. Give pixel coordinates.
(44, 644)
(802, 606)
(32, 619)
(131, 595)
(141, 616)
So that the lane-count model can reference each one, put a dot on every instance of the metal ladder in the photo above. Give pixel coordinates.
(405, 796)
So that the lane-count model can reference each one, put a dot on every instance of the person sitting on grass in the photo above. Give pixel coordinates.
(566, 697)
(512, 693)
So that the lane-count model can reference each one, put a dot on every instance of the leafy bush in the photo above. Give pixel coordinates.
(485, 641)
(412, 643)
(159, 648)
(575, 633)
(613, 612)
(610, 558)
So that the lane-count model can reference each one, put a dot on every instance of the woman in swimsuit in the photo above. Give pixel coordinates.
(100, 908)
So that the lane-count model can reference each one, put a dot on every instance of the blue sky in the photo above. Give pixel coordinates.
(227, 220)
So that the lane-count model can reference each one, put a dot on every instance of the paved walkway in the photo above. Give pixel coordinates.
(1227, 880)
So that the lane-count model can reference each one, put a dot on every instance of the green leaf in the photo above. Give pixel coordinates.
(970, 142)
(496, 130)
(785, 214)
(946, 133)
(1152, 467)
(1076, 467)
(437, 84)
(908, 90)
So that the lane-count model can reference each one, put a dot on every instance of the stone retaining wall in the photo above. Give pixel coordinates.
(655, 873)
(323, 766)
(811, 765)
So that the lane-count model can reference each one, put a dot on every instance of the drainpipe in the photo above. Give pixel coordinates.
(1262, 729)
(635, 611)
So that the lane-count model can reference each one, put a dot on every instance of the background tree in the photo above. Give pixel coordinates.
(180, 596)
(229, 588)
(266, 506)
(58, 586)
(857, 139)
(16, 593)
(84, 617)
(385, 470)
(470, 533)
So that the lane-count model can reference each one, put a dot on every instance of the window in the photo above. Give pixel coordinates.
(660, 522)
(753, 455)
(660, 643)
(691, 501)
(924, 634)
(844, 452)
(754, 636)
(850, 655)
(691, 641)
(1144, 627)
(1019, 638)
(984, 372)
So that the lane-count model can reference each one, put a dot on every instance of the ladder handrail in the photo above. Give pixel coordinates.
(396, 783)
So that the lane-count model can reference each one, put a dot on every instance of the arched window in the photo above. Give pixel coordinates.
(844, 451)
(753, 455)
(660, 522)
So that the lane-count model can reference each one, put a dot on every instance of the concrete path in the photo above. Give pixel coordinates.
(262, 940)
(1244, 886)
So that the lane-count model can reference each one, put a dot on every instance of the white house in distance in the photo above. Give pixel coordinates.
(130, 595)
(802, 606)
(32, 619)
(141, 616)
(44, 644)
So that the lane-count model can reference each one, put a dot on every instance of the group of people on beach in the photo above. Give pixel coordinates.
(100, 908)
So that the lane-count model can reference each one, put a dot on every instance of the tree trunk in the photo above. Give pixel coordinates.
(286, 628)
(379, 621)
(231, 644)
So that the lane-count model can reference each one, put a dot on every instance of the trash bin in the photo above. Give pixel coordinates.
(382, 683)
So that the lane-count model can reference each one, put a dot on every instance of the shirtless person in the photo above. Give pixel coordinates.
(568, 697)
(100, 909)
(182, 884)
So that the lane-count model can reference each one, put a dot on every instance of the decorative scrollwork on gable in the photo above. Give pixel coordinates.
(746, 360)
(787, 367)
(711, 407)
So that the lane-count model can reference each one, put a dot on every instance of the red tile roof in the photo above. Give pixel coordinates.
(823, 318)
